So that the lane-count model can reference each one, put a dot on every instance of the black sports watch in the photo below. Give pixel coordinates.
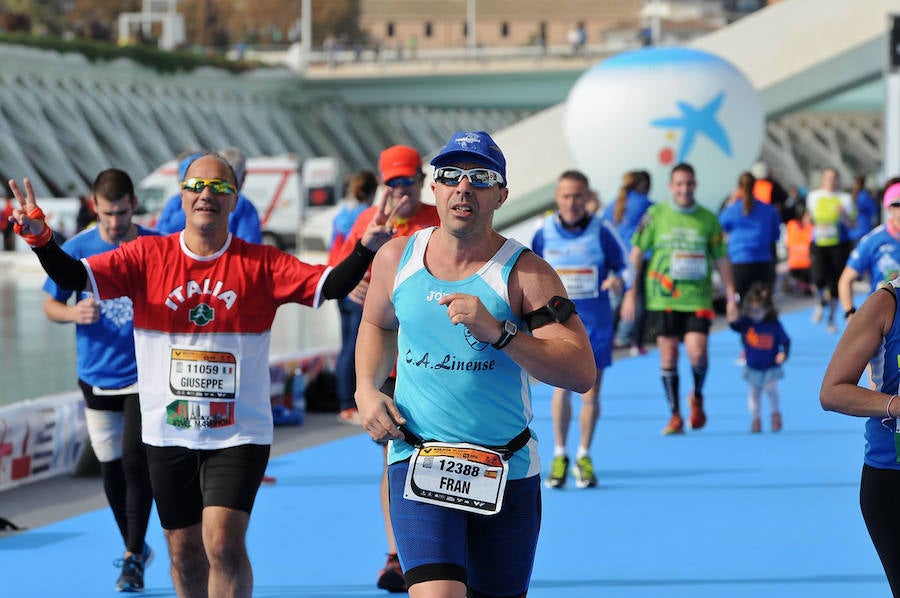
(508, 331)
(558, 309)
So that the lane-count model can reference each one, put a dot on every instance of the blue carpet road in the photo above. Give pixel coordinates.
(718, 512)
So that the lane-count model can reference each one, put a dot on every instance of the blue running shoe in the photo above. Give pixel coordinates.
(132, 577)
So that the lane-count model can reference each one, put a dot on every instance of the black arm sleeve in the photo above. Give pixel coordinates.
(69, 273)
(346, 275)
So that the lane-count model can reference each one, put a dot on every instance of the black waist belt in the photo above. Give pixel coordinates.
(507, 450)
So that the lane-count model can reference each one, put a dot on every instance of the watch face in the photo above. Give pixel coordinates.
(509, 331)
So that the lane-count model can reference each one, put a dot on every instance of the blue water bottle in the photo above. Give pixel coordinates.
(298, 395)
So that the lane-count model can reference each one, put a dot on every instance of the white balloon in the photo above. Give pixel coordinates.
(650, 109)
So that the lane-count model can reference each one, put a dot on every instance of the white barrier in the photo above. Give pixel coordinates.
(41, 438)
(46, 436)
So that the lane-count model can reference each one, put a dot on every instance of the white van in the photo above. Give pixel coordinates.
(272, 184)
(321, 182)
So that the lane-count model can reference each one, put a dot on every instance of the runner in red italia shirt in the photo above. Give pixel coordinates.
(204, 302)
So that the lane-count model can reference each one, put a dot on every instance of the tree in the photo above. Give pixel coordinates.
(338, 17)
(207, 22)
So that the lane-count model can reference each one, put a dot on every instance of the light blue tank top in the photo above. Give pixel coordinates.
(450, 386)
(579, 259)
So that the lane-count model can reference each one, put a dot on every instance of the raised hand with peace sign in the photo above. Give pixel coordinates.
(29, 219)
(382, 227)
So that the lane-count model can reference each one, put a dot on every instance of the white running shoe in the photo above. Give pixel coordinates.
(817, 313)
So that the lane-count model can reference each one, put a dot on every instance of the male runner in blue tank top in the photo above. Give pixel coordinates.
(452, 302)
(588, 255)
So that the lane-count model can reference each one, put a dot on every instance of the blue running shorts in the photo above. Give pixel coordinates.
(492, 554)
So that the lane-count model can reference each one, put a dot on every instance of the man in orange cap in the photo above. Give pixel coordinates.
(400, 172)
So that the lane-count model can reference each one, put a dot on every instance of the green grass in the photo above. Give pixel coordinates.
(151, 57)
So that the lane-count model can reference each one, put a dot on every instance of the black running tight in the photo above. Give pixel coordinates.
(879, 495)
(137, 476)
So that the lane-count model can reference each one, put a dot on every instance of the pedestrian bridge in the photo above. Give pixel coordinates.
(64, 119)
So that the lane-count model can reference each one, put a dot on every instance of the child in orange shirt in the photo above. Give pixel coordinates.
(766, 345)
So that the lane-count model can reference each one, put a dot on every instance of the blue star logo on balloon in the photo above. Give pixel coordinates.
(694, 121)
(650, 109)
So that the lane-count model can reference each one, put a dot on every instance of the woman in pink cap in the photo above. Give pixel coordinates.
(872, 338)
(877, 254)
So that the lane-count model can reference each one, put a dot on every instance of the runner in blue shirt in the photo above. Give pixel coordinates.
(872, 338)
(752, 229)
(630, 205)
(877, 255)
(625, 214)
(589, 258)
(107, 373)
(360, 194)
(867, 215)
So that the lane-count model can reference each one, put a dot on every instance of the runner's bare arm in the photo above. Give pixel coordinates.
(864, 334)
(85, 311)
(723, 265)
(629, 299)
(558, 353)
(376, 347)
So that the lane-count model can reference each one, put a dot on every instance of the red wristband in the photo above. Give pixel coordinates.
(40, 239)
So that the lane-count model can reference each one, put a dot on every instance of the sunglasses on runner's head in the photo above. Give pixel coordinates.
(217, 186)
(401, 181)
(481, 178)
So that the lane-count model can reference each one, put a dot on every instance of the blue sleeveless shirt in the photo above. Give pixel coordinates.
(880, 449)
(583, 259)
(450, 386)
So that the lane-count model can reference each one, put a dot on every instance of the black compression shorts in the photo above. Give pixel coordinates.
(678, 323)
(187, 480)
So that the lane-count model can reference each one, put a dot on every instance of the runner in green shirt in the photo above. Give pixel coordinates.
(686, 241)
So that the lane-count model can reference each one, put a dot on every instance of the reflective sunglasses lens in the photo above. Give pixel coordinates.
(220, 187)
(195, 185)
(481, 178)
(401, 181)
(448, 176)
(217, 186)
